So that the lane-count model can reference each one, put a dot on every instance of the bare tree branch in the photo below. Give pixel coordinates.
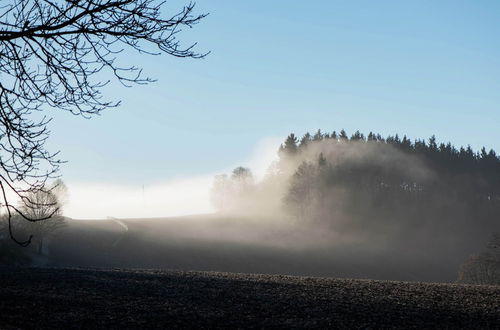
(53, 54)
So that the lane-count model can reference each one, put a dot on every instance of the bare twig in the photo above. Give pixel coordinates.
(52, 55)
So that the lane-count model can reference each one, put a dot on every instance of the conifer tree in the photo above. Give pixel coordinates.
(318, 136)
(343, 135)
(306, 139)
(290, 147)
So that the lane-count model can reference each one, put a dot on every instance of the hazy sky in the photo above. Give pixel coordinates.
(414, 67)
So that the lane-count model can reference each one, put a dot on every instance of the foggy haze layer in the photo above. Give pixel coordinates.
(326, 206)
(174, 197)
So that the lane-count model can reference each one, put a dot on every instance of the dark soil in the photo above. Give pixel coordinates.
(83, 298)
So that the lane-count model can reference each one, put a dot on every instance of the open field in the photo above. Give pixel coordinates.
(253, 245)
(86, 298)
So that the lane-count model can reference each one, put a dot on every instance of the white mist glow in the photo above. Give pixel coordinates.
(176, 197)
(179, 196)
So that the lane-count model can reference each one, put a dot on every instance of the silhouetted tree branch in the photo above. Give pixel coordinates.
(54, 55)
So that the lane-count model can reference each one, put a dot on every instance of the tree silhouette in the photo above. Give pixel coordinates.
(343, 135)
(53, 55)
(300, 197)
(290, 147)
(54, 201)
(318, 136)
(305, 139)
(393, 183)
(242, 174)
(230, 193)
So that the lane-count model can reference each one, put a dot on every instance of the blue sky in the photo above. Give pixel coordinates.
(410, 67)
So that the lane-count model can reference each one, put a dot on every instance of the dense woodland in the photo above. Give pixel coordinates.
(391, 179)
(419, 198)
(424, 197)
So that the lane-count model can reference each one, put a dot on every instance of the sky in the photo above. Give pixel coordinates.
(410, 67)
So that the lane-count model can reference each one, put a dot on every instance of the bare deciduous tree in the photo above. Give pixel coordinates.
(53, 55)
(53, 200)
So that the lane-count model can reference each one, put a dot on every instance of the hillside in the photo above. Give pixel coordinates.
(248, 245)
(84, 298)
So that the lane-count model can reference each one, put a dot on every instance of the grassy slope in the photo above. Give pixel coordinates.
(83, 298)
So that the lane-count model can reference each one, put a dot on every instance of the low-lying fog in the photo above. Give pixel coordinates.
(173, 197)
(325, 206)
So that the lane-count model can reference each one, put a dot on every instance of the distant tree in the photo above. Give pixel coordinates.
(343, 135)
(433, 144)
(242, 176)
(484, 154)
(321, 160)
(54, 55)
(301, 196)
(420, 146)
(357, 136)
(230, 193)
(318, 136)
(49, 206)
(406, 144)
(469, 152)
(306, 139)
(290, 146)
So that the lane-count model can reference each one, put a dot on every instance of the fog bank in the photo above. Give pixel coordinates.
(173, 197)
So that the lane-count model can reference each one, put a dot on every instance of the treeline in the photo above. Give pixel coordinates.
(391, 185)
(389, 197)
(441, 157)
(388, 186)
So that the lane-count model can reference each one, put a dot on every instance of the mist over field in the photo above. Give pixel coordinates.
(322, 205)
(182, 195)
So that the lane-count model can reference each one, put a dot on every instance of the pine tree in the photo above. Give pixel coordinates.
(432, 144)
(318, 136)
(343, 135)
(290, 146)
(306, 139)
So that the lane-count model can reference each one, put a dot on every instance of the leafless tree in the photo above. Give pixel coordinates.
(53, 200)
(53, 55)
